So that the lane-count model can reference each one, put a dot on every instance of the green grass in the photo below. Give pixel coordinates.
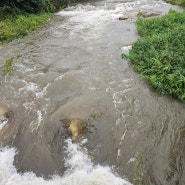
(177, 2)
(16, 27)
(159, 55)
(8, 67)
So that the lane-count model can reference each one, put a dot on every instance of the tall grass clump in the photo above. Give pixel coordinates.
(159, 55)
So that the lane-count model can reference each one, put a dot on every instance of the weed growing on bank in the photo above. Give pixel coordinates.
(8, 68)
(159, 55)
(13, 27)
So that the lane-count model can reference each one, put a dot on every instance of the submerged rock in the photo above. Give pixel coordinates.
(123, 18)
(75, 126)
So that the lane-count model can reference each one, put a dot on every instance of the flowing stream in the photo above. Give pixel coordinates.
(69, 69)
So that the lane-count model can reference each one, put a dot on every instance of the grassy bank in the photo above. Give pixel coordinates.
(177, 2)
(159, 55)
(13, 27)
(19, 17)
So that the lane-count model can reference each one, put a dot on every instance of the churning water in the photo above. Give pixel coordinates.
(72, 68)
(80, 170)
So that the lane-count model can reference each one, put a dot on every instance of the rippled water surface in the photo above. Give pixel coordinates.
(72, 68)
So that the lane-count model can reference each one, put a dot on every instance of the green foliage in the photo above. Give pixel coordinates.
(17, 7)
(177, 2)
(17, 27)
(31, 6)
(22, 6)
(148, 27)
(17, 17)
(160, 54)
(59, 4)
(8, 68)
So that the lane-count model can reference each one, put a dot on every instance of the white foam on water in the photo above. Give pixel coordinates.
(34, 125)
(82, 18)
(81, 8)
(30, 86)
(43, 92)
(28, 105)
(89, 21)
(21, 67)
(81, 170)
(3, 122)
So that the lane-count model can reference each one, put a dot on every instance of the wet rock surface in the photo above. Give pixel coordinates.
(123, 18)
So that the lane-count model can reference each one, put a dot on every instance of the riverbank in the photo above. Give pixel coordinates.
(159, 54)
(13, 27)
(177, 2)
(18, 18)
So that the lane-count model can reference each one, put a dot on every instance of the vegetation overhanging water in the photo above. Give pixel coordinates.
(159, 54)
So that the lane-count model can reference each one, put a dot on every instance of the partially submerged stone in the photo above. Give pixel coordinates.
(123, 18)
(125, 49)
(75, 126)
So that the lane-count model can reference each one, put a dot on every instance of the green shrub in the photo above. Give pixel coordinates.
(160, 54)
(30, 6)
(22, 6)
(166, 23)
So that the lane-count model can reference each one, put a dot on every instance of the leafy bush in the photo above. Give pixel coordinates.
(22, 6)
(159, 55)
(30, 6)
(166, 23)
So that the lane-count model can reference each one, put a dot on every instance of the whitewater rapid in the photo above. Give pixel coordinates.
(80, 170)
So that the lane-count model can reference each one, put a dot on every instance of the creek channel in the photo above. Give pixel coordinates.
(72, 68)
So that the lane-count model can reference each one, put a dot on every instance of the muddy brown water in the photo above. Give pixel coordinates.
(72, 68)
